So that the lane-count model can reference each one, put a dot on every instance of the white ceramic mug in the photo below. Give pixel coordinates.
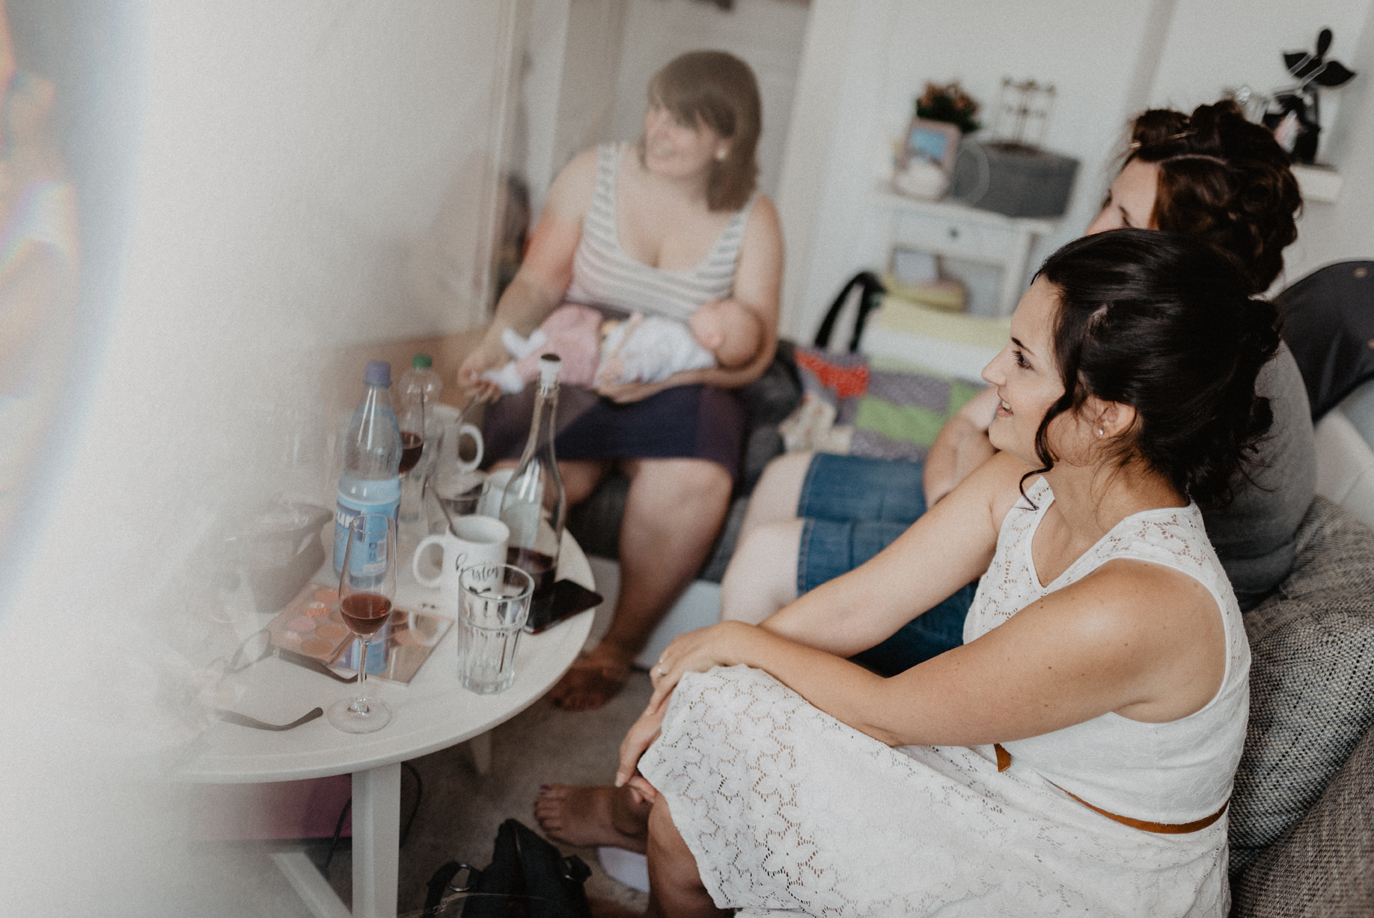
(450, 455)
(472, 540)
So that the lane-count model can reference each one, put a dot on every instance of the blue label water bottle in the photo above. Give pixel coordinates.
(371, 481)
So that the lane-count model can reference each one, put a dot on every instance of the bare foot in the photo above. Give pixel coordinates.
(589, 817)
(592, 681)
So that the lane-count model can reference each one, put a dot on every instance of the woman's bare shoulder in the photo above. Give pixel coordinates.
(999, 482)
(763, 235)
(763, 211)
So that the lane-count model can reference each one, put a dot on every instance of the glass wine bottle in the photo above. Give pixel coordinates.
(534, 505)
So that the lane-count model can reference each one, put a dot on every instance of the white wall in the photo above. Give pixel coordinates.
(1340, 231)
(294, 161)
(586, 106)
(866, 60)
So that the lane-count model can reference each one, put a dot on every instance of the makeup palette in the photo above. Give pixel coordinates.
(311, 625)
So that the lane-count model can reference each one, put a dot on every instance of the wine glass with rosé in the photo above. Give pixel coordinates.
(367, 587)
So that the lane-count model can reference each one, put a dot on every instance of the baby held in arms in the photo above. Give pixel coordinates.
(597, 351)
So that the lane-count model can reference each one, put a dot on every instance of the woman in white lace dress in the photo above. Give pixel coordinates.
(1076, 754)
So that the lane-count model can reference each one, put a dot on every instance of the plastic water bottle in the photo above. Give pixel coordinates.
(371, 481)
(418, 392)
(534, 504)
(421, 384)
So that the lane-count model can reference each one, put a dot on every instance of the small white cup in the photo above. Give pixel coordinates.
(454, 493)
(472, 540)
(496, 487)
(451, 431)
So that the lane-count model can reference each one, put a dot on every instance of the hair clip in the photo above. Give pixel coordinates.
(1136, 144)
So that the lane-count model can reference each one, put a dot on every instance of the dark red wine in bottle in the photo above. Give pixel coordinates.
(365, 613)
(537, 564)
(412, 444)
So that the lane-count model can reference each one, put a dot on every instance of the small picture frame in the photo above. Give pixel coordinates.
(932, 141)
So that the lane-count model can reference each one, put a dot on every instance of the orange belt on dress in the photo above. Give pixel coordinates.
(1163, 828)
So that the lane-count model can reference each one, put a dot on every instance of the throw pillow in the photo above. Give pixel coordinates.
(875, 407)
(1311, 679)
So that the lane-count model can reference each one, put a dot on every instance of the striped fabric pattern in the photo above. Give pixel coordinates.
(605, 275)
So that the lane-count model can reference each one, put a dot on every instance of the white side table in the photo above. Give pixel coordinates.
(433, 712)
(958, 231)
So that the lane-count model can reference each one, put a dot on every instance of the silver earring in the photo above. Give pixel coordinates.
(1101, 431)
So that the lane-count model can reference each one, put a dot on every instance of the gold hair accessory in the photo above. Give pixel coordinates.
(1136, 144)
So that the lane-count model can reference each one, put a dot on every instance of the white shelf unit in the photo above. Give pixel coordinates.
(1318, 183)
(958, 231)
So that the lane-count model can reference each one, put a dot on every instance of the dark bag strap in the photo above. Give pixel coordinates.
(870, 290)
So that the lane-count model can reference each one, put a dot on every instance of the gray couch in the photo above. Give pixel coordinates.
(1302, 815)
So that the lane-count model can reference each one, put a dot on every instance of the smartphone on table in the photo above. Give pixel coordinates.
(562, 600)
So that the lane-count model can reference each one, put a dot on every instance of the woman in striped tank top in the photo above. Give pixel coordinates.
(660, 227)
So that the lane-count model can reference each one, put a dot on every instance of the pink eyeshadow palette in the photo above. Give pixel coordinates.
(312, 625)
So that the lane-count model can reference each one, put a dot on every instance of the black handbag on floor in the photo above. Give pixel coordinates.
(527, 877)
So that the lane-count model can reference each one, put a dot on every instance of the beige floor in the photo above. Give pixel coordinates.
(460, 810)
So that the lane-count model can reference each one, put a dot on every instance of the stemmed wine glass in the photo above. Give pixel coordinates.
(367, 586)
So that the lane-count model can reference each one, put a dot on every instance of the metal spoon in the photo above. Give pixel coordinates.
(244, 720)
(448, 519)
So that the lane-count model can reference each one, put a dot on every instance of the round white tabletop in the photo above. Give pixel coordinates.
(431, 713)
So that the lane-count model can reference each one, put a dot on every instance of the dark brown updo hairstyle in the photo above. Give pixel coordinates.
(1166, 324)
(1224, 180)
(718, 90)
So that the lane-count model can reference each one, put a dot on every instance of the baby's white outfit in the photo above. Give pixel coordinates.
(655, 349)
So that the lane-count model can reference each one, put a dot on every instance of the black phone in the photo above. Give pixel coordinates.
(560, 601)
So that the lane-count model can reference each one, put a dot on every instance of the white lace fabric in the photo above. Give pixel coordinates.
(787, 810)
(1174, 772)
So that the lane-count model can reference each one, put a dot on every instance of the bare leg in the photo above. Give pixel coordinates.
(581, 477)
(673, 512)
(762, 575)
(778, 492)
(588, 817)
(675, 887)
